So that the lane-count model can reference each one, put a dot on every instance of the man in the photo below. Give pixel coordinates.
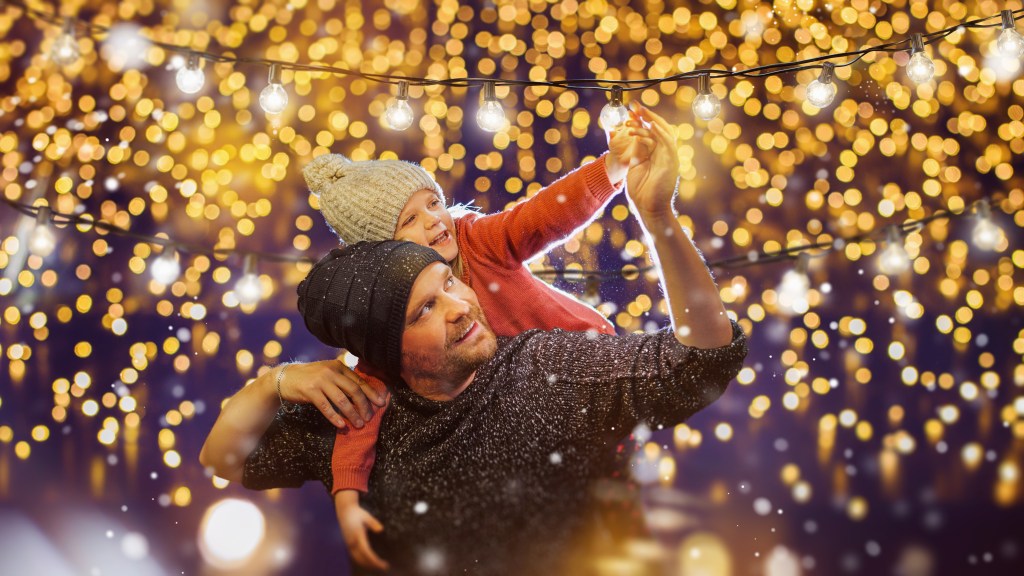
(485, 457)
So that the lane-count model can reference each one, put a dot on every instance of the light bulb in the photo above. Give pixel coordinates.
(822, 91)
(986, 234)
(490, 116)
(592, 292)
(247, 289)
(1010, 43)
(794, 288)
(894, 259)
(920, 69)
(706, 105)
(166, 268)
(190, 78)
(399, 114)
(274, 98)
(65, 48)
(42, 241)
(613, 114)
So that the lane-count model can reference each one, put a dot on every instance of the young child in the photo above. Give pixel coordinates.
(392, 199)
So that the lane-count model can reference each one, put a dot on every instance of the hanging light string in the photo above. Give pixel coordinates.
(892, 234)
(920, 68)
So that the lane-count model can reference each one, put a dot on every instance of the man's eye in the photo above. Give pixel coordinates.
(426, 308)
(450, 282)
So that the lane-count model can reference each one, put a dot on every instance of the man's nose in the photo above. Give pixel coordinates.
(455, 308)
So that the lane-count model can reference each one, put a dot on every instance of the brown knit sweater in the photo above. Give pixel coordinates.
(496, 480)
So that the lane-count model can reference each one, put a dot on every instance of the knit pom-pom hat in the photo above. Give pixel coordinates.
(362, 200)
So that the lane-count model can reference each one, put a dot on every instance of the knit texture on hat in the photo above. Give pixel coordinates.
(355, 298)
(361, 201)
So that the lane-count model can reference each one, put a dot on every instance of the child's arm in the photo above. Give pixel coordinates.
(556, 212)
(354, 521)
(355, 450)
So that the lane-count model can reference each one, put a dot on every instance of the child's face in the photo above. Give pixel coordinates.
(426, 221)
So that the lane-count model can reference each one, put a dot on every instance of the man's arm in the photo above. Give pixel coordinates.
(658, 378)
(254, 442)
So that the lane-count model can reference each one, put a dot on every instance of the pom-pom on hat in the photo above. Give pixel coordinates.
(355, 298)
(362, 200)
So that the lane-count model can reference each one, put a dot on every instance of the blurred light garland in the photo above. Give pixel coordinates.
(893, 260)
(490, 117)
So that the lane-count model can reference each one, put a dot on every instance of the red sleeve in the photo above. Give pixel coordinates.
(355, 449)
(550, 217)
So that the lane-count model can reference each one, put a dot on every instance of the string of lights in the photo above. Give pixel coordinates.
(491, 117)
(892, 261)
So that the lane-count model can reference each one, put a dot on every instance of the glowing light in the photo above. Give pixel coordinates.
(1010, 43)
(894, 259)
(42, 241)
(248, 288)
(274, 98)
(166, 269)
(920, 69)
(399, 114)
(781, 562)
(190, 78)
(706, 105)
(65, 48)
(230, 532)
(614, 113)
(490, 116)
(986, 234)
(794, 288)
(822, 91)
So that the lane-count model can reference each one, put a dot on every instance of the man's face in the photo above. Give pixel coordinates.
(425, 221)
(446, 336)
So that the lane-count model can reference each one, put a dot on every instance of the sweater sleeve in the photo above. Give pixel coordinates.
(550, 217)
(609, 384)
(295, 449)
(355, 450)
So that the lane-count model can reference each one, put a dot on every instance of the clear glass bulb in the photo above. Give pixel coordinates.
(793, 292)
(821, 94)
(399, 114)
(248, 289)
(920, 68)
(986, 234)
(1011, 43)
(612, 115)
(491, 116)
(166, 269)
(273, 98)
(894, 260)
(190, 80)
(42, 241)
(65, 50)
(706, 106)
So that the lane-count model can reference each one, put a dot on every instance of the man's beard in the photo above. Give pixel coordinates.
(458, 362)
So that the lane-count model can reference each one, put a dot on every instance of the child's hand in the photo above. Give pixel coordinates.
(354, 522)
(651, 183)
(628, 144)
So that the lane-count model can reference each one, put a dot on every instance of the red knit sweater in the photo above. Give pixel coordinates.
(494, 249)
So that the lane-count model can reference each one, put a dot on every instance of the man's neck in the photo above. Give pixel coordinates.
(438, 390)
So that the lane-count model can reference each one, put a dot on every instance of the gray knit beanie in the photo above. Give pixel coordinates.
(362, 200)
(356, 296)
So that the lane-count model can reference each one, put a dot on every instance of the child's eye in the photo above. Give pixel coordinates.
(409, 220)
(434, 202)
